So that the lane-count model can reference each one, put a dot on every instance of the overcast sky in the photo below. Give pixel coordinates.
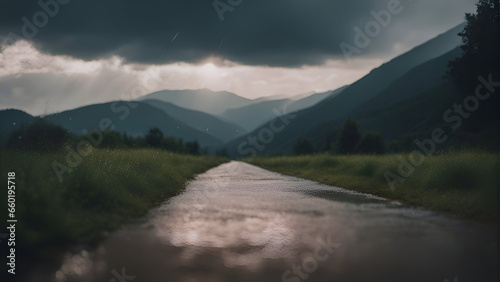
(64, 56)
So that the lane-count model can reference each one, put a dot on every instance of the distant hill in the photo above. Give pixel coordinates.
(137, 122)
(218, 128)
(410, 108)
(339, 107)
(309, 101)
(11, 120)
(204, 100)
(256, 114)
(407, 107)
(380, 78)
(251, 116)
(380, 112)
(173, 120)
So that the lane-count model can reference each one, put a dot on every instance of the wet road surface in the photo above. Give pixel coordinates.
(238, 222)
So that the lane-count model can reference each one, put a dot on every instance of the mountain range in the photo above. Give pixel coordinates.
(203, 100)
(253, 115)
(426, 65)
(212, 125)
(188, 114)
(405, 96)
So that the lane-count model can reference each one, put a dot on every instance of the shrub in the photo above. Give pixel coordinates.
(39, 136)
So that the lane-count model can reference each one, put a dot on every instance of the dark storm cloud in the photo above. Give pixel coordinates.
(258, 32)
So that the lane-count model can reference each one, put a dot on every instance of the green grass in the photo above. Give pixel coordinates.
(106, 190)
(459, 183)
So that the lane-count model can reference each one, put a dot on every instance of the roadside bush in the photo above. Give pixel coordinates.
(38, 136)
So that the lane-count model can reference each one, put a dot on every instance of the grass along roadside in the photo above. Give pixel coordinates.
(459, 183)
(107, 190)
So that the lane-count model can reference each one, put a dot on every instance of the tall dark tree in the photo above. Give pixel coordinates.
(480, 65)
(480, 46)
(154, 137)
(348, 137)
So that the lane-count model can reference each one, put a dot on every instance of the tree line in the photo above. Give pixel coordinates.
(43, 136)
(348, 141)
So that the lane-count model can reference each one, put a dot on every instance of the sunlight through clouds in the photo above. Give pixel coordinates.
(51, 83)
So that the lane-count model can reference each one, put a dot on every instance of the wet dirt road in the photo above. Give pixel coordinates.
(238, 222)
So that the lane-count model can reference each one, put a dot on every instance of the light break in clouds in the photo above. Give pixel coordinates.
(42, 83)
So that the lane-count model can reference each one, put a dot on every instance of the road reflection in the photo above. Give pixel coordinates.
(238, 222)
